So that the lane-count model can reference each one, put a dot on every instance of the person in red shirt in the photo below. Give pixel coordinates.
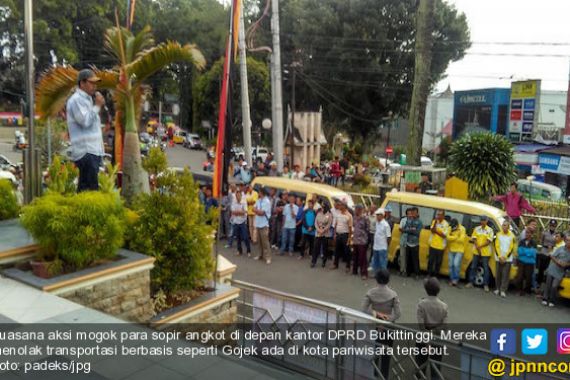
(335, 171)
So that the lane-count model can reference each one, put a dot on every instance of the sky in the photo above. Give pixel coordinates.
(541, 28)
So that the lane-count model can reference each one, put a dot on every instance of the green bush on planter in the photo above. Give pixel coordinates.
(171, 226)
(9, 207)
(79, 229)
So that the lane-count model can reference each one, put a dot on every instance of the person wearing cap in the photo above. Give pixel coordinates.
(543, 257)
(262, 210)
(84, 127)
(244, 173)
(482, 239)
(505, 244)
(273, 169)
(382, 237)
(559, 263)
(456, 238)
(360, 240)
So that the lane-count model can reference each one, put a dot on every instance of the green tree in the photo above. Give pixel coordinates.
(138, 58)
(207, 93)
(485, 161)
(357, 57)
(206, 22)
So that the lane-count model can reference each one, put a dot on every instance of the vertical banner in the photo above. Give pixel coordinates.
(523, 115)
(223, 145)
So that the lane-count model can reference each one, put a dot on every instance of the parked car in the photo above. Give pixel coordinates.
(260, 153)
(179, 137)
(192, 141)
(6, 164)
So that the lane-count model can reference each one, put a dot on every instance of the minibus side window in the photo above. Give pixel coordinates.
(395, 206)
(426, 215)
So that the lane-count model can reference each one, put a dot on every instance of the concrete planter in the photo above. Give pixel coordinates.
(213, 307)
(120, 288)
(15, 243)
(217, 306)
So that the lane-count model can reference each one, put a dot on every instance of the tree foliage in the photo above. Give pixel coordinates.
(485, 161)
(171, 227)
(207, 93)
(356, 58)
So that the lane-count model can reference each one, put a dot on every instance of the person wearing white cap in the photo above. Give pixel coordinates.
(272, 169)
(382, 237)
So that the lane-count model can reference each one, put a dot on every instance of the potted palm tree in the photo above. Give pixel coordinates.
(138, 58)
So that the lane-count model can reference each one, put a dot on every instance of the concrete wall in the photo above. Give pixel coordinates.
(126, 297)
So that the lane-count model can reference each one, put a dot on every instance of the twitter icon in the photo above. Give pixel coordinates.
(534, 342)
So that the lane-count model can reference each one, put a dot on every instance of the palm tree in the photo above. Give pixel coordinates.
(138, 59)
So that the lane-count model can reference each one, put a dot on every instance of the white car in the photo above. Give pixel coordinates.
(260, 153)
(192, 141)
(9, 176)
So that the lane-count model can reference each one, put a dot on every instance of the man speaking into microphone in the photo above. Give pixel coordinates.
(84, 126)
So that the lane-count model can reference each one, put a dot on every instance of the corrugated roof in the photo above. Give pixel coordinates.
(562, 150)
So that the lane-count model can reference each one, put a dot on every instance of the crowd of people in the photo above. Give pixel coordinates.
(358, 240)
(334, 173)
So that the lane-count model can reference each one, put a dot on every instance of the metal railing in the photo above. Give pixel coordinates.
(268, 311)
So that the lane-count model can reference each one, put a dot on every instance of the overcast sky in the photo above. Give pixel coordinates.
(542, 28)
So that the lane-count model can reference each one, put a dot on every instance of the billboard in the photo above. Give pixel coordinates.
(523, 115)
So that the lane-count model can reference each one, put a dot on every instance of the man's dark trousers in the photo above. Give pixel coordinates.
(88, 167)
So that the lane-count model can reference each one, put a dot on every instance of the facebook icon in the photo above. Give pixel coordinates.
(503, 341)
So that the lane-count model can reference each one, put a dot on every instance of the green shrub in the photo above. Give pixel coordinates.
(361, 180)
(9, 207)
(156, 161)
(485, 161)
(62, 176)
(172, 227)
(79, 229)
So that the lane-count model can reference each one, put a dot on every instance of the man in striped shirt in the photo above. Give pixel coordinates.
(84, 127)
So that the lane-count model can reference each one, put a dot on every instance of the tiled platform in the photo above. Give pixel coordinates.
(20, 303)
(13, 235)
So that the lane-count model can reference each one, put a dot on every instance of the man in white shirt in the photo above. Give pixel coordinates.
(298, 173)
(84, 127)
(239, 221)
(262, 210)
(382, 237)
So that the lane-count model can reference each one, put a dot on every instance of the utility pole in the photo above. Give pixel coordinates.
(246, 117)
(424, 44)
(31, 173)
(292, 135)
(278, 101)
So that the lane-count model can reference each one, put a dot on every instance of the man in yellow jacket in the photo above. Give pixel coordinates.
(482, 239)
(505, 244)
(456, 240)
(437, 243)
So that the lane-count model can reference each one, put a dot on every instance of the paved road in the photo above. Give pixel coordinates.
(295, 276)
